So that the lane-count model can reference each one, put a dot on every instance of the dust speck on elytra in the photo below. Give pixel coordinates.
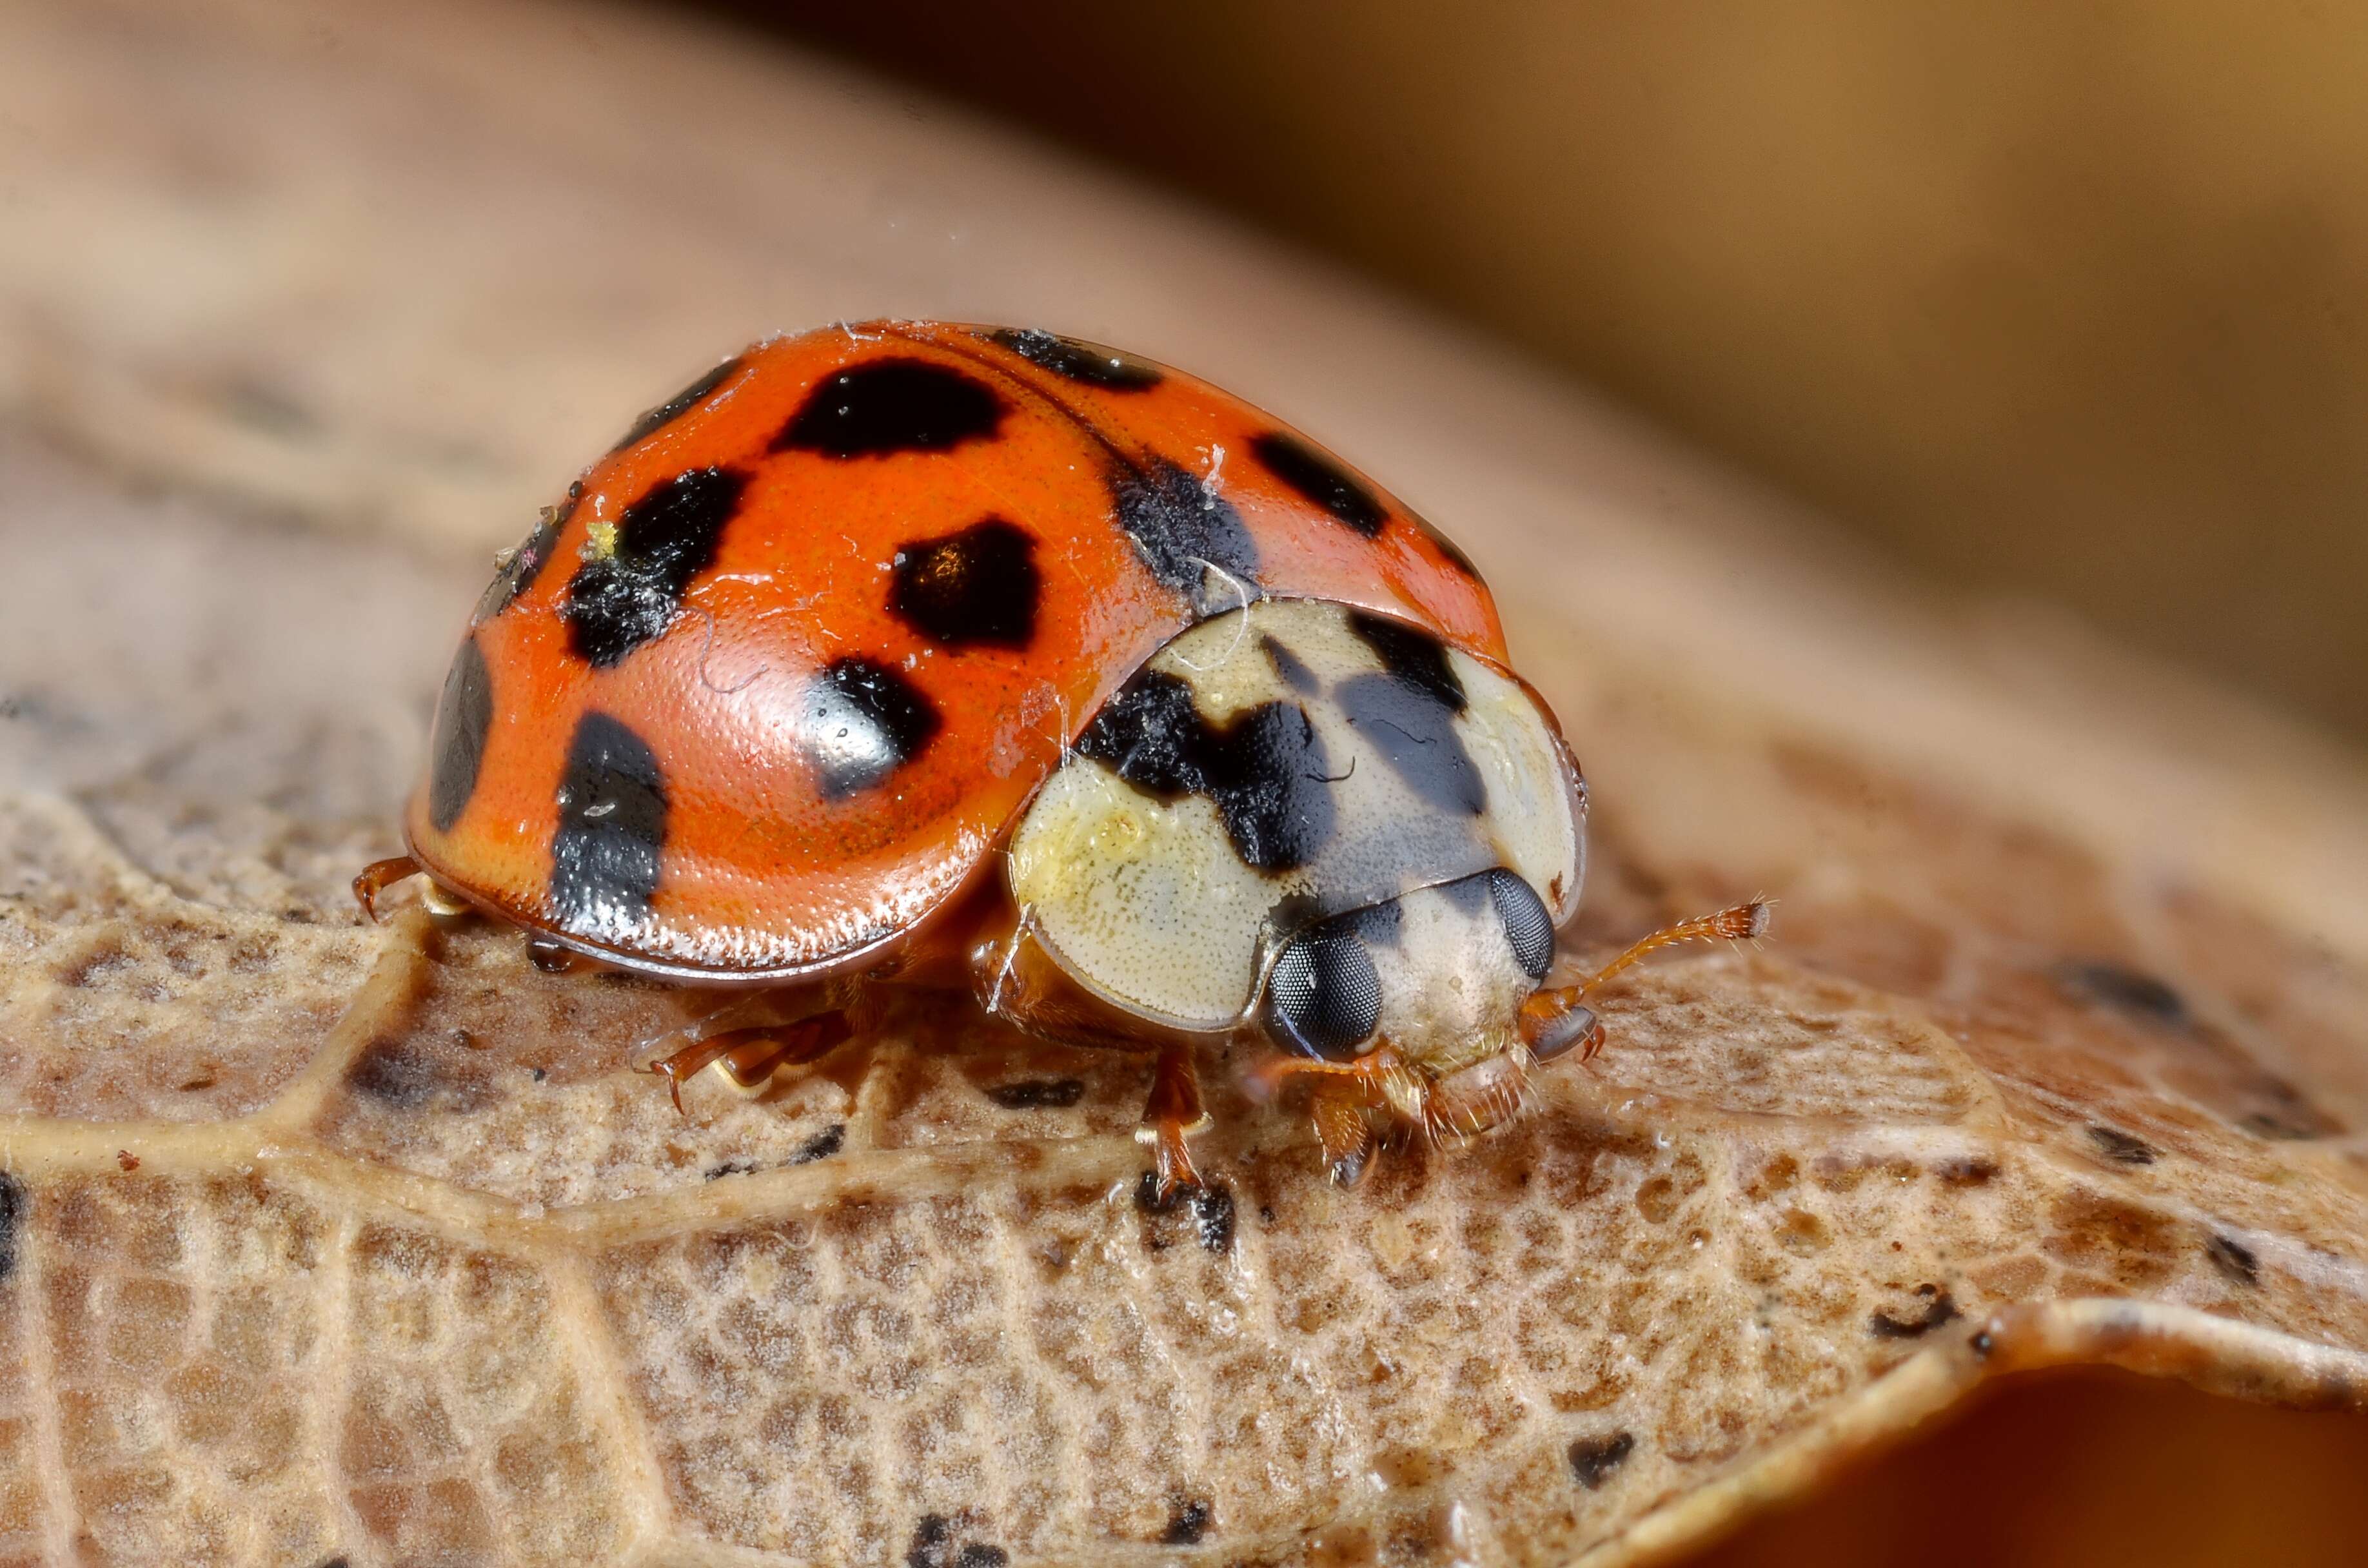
(1937, 1310)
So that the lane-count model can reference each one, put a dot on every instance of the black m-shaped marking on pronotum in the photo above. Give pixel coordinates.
(1265, 769)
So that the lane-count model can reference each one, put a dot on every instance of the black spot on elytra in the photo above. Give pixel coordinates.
(1182, 529)
(612, 826)
(1188, 1523)
(2120, 1147)
(1320, 479)
(1593, 1459)
(728, 1168)
(822, 1145)
(2234, 1258)
(12, 1221)
(674, 407)
(1966, 1170)
(456, 744)
(516, 574)
(338, 1561)
(934, 1547)
(1289, 666)
(1038, 1094)
(1937, 1310)
(618, 601)
(2126, 990)
(1265, 769)
(863, 721)
(885, 406)
(978, 586)
(1089, 363)
(1450, 548)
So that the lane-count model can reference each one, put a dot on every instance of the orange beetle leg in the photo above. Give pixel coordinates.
(753, 1055)
(1554, 1021)
(1173, 1111)
(1344, 1126)
(378, 876)
(1348, 1097)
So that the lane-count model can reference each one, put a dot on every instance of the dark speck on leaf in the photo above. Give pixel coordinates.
(2126, 990)
(12, 1217)
(1037, 1094)
(934, 1547)
(822, 1145)
(1937, 1310)
(1212, 1210)
(2234, 1259)
(1593, 1459)
(394, 1075)
(2120, 1147)
(1188, 1523)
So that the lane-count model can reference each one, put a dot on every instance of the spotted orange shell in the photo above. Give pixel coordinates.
(768, 686)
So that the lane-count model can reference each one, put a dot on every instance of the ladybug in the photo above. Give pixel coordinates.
(960, 656)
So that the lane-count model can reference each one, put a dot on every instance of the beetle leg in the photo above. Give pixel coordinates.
(1553, 1021)
(1344, 1126)
(1173, 1111)
(751, 1056)
(378, 876)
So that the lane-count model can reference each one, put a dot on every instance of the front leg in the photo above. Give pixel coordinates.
(1018, 982)
(1173, 1111)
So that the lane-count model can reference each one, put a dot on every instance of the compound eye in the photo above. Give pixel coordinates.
(1324, 996)
(1528, 926)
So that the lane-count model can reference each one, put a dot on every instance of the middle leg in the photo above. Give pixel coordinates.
(750, 1056)
(1173, 1111)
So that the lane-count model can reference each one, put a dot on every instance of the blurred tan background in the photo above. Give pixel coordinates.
(2067, 304)
(2050, 301)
